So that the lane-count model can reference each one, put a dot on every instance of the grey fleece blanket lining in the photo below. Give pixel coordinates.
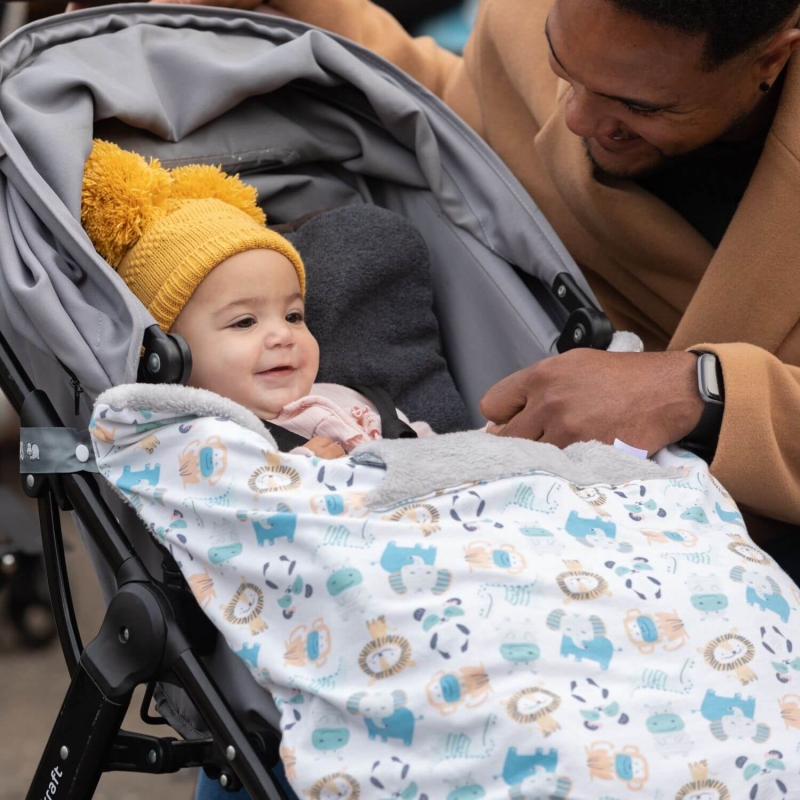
(178, 400)
(419, 467)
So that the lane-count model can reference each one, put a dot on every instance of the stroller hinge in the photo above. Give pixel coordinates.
(586, 325)
(130, 647)
(136, 752)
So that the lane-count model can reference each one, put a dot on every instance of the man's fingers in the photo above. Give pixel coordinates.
(556, 440)
(507, 397)
(525, 425)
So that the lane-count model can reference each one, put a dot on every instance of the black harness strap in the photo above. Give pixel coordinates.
(286, 440)
(392, 427)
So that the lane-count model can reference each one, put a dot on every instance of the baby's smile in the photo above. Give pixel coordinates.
(283, 371)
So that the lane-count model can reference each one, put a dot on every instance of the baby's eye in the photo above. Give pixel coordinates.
(295, 317)
(242, 324)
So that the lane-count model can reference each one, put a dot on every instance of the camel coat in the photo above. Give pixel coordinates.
(652, 271)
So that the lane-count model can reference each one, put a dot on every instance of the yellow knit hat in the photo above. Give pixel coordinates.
(165, 230)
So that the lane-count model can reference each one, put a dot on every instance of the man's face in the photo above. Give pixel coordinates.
(245, 325)
(638, 92)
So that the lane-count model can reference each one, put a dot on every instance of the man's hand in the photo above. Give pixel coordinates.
(324, 447)
(648, 400)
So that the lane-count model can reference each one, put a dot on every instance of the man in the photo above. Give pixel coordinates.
(660, 140)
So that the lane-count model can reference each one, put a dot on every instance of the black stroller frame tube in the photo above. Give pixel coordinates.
(142, 639)
(222, 724)
(58, 581)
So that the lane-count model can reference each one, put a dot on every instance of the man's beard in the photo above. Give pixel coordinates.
(665, 161)
(601, 173)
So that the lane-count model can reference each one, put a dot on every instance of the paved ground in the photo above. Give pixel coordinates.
(32, 686)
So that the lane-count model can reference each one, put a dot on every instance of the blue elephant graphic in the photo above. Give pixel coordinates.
(518, 767)
(732, 717)
(281, 525)
(130, 478)
(399, 725)
(583, 637)
(582, 528)
(396, 721)
(411, 569)
(394, 558)
(249, 654)
(715, 707)
(533, 775)
(762, 591)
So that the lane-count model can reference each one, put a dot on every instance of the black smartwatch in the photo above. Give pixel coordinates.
(703, 439)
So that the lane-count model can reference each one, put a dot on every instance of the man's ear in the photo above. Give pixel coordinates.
(776, 52)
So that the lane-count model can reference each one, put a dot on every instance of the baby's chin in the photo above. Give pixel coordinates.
(272, 407)
(265, 405)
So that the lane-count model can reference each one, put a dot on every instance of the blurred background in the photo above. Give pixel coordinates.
(34, 676)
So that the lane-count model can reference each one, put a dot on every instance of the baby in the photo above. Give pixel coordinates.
(192, 245)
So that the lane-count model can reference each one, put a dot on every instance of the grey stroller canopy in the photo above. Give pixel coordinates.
(313, 121)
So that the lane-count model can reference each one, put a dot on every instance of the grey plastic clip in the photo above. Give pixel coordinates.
(53, 451)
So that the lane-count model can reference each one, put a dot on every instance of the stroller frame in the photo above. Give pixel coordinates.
(163, 619)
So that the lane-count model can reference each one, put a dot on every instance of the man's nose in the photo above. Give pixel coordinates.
(588, 116)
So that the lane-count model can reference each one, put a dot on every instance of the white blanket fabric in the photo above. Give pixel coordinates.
(522, 637)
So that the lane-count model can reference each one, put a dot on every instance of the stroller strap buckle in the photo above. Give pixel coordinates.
(55, 451)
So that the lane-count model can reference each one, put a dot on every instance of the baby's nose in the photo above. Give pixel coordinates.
(279, 336)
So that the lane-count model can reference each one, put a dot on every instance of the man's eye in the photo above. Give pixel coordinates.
(295, 317)
(645, 112)
(247, 322)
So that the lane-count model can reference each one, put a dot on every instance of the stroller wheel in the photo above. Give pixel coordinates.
(29, 606)
(33, 620)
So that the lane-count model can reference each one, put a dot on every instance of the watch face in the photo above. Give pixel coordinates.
(708, 376)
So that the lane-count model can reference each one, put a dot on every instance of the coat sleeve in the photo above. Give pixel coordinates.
(377, 30)
(758, 455)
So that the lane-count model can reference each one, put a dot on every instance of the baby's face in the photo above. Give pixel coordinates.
(245, 325)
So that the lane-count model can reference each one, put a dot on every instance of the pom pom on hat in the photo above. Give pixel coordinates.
(201, 182)
(122, 197)
(165, 230)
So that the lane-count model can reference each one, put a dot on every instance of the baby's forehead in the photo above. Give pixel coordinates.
(255, 297)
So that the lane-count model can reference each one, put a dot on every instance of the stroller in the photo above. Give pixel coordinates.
(312, 121)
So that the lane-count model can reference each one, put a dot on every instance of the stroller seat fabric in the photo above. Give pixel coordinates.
(520, 637)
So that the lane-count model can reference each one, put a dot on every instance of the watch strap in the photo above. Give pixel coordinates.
(704, 438)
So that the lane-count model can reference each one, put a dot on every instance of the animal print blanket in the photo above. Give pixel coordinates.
(521, 637)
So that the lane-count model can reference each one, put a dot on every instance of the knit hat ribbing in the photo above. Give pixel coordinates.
(165, 230)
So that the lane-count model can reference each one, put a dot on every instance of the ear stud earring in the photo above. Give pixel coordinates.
(765, 87)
